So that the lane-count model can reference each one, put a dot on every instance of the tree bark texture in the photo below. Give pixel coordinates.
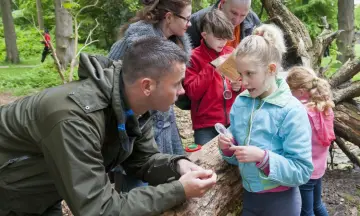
(346, 23)
(64, 34)
(40, 17)
(347, 118)
(12, 53)
(225, 197)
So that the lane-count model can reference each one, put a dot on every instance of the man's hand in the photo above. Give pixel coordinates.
(246, 154)
(185, 166)
(197, 183)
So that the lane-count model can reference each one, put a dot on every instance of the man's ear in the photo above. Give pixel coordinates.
(147, 86)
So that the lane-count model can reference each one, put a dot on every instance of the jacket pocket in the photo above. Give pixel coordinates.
(21, 168)
(27, 184)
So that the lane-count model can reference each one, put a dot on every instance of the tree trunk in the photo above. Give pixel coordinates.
(12, 54)
(226, 195)
(64, 34)
(347, 118)
(40, 17)
(346, 23)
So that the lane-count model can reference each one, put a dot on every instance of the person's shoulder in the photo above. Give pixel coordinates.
(252, 19)
(197, 57)
(294, 107)
(186, 42)
(294, 103)
(140, 28)
(196, 51)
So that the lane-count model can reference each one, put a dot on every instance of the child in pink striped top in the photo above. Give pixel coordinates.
(316, 95)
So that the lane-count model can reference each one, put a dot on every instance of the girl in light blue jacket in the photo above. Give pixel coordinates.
(271, 129)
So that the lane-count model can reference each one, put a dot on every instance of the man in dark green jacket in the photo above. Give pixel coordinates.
(60, 143)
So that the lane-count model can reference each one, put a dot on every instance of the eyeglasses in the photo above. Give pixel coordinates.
(184, 18)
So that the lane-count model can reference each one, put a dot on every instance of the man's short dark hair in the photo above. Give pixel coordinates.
(151, 57)
(215, 22)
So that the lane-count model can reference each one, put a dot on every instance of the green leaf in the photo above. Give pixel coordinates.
(70, 5)
(18, 14)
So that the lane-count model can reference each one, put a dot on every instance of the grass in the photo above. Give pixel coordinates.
(19, 80)
(34, 60)
(23, 80)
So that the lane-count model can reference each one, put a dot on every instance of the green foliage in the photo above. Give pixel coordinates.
(132, 5)
(256, 6)
(200, 4)
(357, 17)
(28, 12)
(111, 14)
(357, 50)
(22, 81)
(335, 64)
(70, 5)
(310, 14)
(28, 42)
(93, 50)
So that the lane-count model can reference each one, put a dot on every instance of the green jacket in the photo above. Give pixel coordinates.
(59, 144)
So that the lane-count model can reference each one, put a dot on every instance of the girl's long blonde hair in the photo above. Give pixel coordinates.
(300, 77)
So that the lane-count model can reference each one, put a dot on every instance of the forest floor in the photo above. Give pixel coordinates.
(341, 185)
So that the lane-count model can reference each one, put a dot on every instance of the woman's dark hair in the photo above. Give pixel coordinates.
(154, 11)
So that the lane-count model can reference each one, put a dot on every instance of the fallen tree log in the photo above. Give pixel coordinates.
(225, 198)
(342, 145)
(347, 119)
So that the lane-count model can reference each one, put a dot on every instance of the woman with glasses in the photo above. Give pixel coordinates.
(168, 19)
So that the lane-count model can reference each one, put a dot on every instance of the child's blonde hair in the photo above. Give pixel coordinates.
(265, 46)
(300, 77)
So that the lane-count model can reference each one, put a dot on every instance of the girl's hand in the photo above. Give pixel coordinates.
(246, 154)
(224, 142)
(236, 85)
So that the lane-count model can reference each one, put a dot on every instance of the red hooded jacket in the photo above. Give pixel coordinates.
(205, 86)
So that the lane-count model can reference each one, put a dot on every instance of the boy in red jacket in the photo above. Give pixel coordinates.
(211, 93)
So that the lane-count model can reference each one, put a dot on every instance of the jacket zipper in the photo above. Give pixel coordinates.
(225, 112)
(224, 80)
(249, 131)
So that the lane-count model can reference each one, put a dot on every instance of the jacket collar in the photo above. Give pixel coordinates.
(279, 98)
(249, 22)
(208, 52)
(106, 75)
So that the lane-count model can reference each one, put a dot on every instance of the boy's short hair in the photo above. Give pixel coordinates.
(218, 24)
